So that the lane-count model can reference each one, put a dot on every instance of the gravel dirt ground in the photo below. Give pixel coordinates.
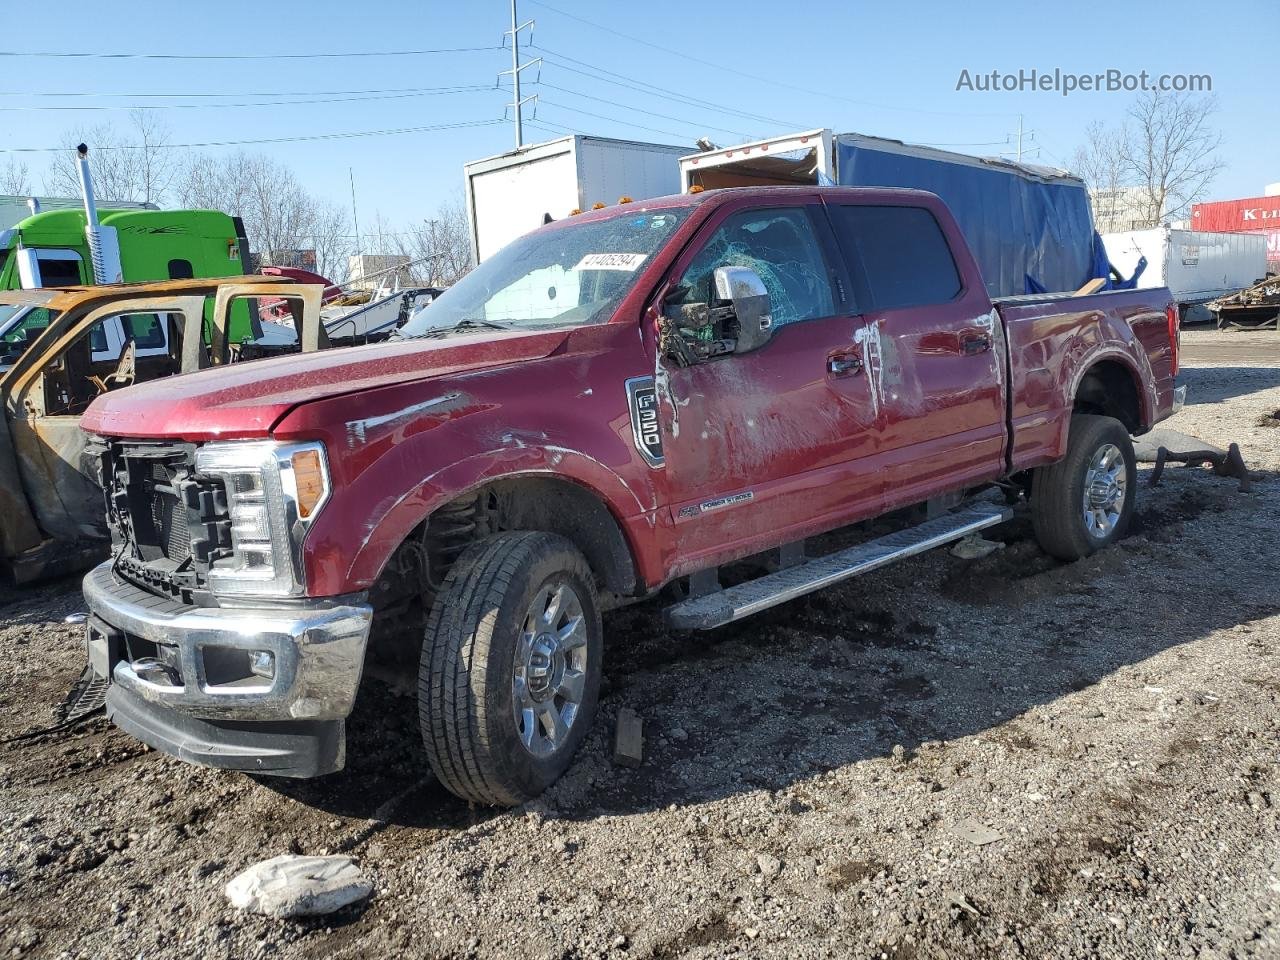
(814, 779)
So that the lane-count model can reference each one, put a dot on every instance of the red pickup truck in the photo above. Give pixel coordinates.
(616, 406)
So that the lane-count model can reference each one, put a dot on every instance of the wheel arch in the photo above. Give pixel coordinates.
(536, 489)
(1110, 386)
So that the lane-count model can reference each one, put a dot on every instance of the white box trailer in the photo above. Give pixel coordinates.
(1196, 266)
(511, 194)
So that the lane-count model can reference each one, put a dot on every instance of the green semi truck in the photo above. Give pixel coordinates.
(70, 248)
(52, 249)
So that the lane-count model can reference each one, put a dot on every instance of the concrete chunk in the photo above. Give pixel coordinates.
(628, 742)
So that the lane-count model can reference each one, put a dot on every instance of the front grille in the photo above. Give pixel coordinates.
(167, 523)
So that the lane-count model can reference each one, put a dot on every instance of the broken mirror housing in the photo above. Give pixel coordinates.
(752, 310)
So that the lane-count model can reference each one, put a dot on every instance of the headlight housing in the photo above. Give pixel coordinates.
(274, 491)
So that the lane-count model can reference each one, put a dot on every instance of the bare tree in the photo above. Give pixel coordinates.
(443, 243)
(1100, 163)
(1171, 151)
(135, 165)
(279, 214)
(13, 178)
(333, 242)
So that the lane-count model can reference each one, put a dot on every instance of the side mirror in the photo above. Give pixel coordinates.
(749, 300)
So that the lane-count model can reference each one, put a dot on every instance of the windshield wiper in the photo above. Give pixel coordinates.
(465, 324)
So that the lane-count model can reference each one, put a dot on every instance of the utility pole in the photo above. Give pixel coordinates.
(355, 217)
(516, 66)
(1022, 134)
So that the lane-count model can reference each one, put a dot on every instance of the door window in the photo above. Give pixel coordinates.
(146, 330)
(29, 327)
(904, 255)
(779, 244)
(59, 271)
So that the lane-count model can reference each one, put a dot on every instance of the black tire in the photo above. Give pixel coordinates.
(1058, 490)
(466, 680)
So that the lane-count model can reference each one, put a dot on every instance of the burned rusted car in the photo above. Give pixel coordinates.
(62, 348)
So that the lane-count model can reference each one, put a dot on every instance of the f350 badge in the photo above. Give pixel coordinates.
(642, 398)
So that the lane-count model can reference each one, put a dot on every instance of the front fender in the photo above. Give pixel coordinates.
(348, 552)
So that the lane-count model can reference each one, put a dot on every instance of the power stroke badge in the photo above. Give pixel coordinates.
(642, 397)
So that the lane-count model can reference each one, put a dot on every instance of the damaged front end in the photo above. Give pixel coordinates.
(200, 619)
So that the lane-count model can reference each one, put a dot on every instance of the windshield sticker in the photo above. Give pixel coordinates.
(612, 261)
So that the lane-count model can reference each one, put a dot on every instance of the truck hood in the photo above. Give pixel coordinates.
(247, 399)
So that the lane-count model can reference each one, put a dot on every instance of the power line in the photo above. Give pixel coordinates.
(755, 76)
(651, 113)
(601, 116)
(242, 56)
(426, 92)
(649, 89)
(238, 143)
(150, 94)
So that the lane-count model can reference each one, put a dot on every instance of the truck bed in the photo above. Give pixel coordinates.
(1123, 339)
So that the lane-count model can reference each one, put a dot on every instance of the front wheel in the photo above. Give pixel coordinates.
(510, 668)
(1084, 502)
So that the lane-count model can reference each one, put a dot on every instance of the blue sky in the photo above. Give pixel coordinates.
(885, 69)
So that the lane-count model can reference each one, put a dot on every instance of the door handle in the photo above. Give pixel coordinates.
(844, 364)
(973, 343)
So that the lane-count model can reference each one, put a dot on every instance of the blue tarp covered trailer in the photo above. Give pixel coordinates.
(1030, 227)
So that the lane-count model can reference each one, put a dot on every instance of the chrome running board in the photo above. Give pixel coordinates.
(734, 603)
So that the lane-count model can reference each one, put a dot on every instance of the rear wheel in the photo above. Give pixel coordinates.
(510, 668)
(1083, 502)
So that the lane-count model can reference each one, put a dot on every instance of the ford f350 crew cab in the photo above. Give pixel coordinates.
(614, 406)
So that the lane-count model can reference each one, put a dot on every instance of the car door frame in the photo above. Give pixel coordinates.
(852, 481)
(47, 447)
(931, 466)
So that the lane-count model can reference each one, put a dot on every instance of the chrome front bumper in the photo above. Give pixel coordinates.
(317, 649)
(1179, 398)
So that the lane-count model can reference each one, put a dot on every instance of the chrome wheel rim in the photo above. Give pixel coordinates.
(549, 674)
(1106, 482)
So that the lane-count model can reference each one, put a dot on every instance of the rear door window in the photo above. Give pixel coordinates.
(902, 253)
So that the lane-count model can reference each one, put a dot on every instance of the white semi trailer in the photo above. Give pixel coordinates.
(1196, 266)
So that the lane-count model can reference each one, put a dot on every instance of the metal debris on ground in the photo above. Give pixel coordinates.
(296, 886)
(957, 899)
(976, 832)
(628, 743)
(87, 696)
(1253, 308)
(1161, 446)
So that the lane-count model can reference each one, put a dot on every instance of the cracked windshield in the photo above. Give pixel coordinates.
(572, 276)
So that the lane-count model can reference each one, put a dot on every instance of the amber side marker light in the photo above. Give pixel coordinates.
(597, 206)
(624, 200)
(308, 477)
(697, 188)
